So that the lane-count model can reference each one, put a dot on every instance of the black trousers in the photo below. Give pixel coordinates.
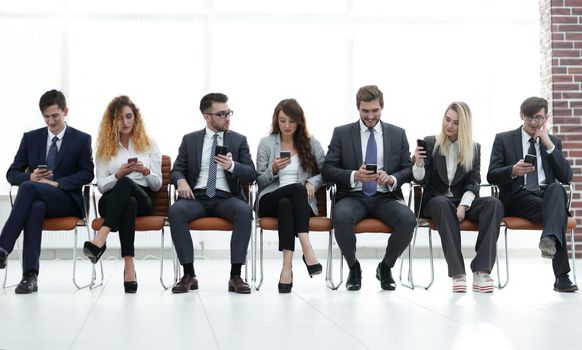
(487, 212)
(35, 202)
(547, 207)
(289, 205)
(120, 206)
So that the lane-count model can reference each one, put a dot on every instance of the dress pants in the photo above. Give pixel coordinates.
(356, 206)
(34, 202)
(223, 205)
(120, 206)
(487, 212)
(547, 207)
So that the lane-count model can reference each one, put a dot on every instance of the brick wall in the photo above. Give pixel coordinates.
(566, 91)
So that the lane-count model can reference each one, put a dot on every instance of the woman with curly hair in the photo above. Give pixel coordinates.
(288, 163)
(128, 166)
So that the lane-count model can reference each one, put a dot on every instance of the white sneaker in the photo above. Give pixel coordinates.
(460, 284)
(482, 282)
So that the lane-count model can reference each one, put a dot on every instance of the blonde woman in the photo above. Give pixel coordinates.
(449, 168)
(128, 166)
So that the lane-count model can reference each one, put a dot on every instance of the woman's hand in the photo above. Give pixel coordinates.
(280, 163)
(419, 156)
(124, 170)
(139, 168)
(310, 191)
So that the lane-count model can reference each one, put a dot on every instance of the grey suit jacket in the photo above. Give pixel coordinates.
(269, 147)
(345, 155)
(508, 149)
(189, 160)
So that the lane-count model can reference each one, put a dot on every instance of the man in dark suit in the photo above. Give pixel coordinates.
(209, 184)
(51, 166)
(535, 192)
(365, 193)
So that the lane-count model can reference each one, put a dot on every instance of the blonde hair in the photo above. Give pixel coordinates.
(108, 138)
(465, 137)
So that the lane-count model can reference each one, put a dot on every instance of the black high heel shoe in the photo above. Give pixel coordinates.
(286, 287)
(93, 252)
(131, 286)
(314, 269)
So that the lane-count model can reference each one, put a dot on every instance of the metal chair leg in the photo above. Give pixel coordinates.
(261, 264)
(573, 242)
(499, 284)
(329, 273)
(75, 266)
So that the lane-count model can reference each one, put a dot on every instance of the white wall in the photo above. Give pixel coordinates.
(167, 55)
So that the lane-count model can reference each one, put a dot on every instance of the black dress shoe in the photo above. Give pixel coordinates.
(314, 269)
(187, 283)
(3, 258)
(93, 252)
(237, 285)
(384, 275)
(564, 285)
(285, 287)
(28, 284)
(130, 286)
(354, 281)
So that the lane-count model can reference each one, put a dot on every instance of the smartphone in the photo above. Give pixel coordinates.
(531, 159)
(43, 167)
(221, 150)
(372, 167)
(421, 143)
(132, 160)
(284, 154)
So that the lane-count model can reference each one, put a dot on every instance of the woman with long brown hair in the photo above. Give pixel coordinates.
(129, 168)
(288, 163)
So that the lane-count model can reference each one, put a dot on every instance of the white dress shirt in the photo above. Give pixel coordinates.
(50, 136)
(202, 180)
(525, 146)
(151, 159)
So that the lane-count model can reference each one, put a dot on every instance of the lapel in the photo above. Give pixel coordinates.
(42, 141)
(441, 166)
(386, 140)
(66, 143)
(198, 146)
(276, 147)
(357, 143)
(517, 149)
(544, 157)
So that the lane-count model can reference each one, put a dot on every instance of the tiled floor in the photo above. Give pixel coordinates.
(525, 315)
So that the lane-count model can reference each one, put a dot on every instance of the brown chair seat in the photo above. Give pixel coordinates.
(515, 223)
(142, 223)
(210, 224)
(371, 225)
(67, 223)
(316, 223)
(466, 225)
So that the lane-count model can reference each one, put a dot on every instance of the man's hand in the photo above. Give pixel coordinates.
(49, 182)
(184, 190)
(280, 163)
(542, 133)
(384, 178)
(461, 212)
(40, 174)
(521, 168)
(225, 161)
(364, 175)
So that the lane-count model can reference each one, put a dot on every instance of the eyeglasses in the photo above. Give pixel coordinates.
(222, 114)
(537, 117)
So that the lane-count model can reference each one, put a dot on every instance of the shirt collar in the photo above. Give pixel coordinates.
(210, 133)
(377, 127)
(525, 136)
(59, 135)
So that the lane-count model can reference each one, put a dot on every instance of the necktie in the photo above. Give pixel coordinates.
(531, 179)
(51, 158)
(369, 188)
(211, 184)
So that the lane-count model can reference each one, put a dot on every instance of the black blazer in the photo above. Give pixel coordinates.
(344, 155)
(74, 165)
(508, 150)
(188, 163)
(436, 180)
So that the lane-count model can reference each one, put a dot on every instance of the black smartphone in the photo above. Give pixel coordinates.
(372, 167)
(531, 159)
(421, 143)
(43, 167)
(132, 160)
(221, 150)
(284, 154)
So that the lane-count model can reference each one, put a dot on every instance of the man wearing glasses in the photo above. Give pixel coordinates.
(207, 174)
(529, 167)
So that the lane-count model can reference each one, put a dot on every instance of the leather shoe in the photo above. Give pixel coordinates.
(237, 285)
(314, 269)
(563, 284)
(3, 258)
(187, 283)
(548, 247)
(286, 287)
(384, 275)
(130, 286)
(354, 281)
(28, 284)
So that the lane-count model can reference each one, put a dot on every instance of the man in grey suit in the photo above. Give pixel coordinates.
(207, 173)
(369, 160)
(535, 192)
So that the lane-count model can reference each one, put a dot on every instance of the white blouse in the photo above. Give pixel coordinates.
(290, 174)
(151, 159)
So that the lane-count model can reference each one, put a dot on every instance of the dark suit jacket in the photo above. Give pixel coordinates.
(507, 150)
(345, 155)
(436, 180)
(74, 166)
(188, 163)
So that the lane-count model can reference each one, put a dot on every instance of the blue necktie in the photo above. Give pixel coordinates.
(369, 188)
(211, 184)
(51, 158)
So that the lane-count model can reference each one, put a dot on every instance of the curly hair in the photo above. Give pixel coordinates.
(301, 138)
(108, 138)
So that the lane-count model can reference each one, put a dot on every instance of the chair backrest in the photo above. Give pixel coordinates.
(161, 198)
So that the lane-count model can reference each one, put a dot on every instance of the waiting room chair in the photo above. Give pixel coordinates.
(320, 223)
(157, 221)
